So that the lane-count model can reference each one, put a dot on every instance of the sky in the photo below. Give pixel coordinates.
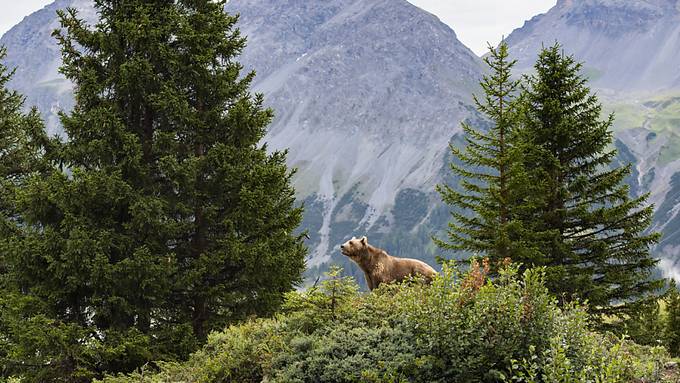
(476, 22)
(13, 11)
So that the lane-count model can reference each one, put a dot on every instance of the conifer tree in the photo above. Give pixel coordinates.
(490, 168)
(591, 234)
(173, 219)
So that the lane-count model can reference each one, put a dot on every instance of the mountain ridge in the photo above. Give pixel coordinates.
(632, 45)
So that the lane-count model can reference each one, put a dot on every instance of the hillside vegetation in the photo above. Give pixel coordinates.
(465, 327)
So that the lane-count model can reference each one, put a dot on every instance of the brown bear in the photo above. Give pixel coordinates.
(380, 267)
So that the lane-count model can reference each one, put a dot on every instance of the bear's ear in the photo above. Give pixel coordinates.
(364, 240)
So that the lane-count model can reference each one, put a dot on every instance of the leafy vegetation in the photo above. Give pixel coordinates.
(463, 328)
(23, 145)
(591, 234)
(672, 322)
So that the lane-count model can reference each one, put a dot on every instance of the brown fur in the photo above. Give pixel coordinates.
(380, 267)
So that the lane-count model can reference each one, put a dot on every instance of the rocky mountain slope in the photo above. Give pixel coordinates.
(367, 95)
(631, 52)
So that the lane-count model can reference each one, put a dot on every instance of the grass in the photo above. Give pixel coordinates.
(660, 114)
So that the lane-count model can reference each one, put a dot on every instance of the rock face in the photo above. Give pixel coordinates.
(367, 95)
(631, 52)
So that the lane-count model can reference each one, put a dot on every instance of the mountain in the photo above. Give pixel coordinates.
(367, 95)
(627, 45)
(631, 53)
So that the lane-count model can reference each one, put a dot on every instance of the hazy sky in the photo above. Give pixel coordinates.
(476, 22)
(13, 11)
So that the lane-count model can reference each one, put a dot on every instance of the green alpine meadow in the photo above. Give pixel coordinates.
(338, 191)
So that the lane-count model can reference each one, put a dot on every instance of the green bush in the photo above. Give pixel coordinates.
(595, 358)
(655, 323)
(461, 328)
(672, 322)
(646, 325)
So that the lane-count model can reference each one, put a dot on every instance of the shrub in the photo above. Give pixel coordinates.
(672, 322)
(597, 358)
(463, 327)
(646, 325)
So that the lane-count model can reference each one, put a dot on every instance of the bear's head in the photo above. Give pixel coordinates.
(355, 247)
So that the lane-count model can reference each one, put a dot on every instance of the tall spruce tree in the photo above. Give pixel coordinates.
(172, 220)
(490, 169)
(592, 235)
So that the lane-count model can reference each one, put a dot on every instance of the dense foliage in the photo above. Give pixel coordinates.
(672, 321)
(23, 143)
(162, 216)
(462, 328)
(658, 322)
